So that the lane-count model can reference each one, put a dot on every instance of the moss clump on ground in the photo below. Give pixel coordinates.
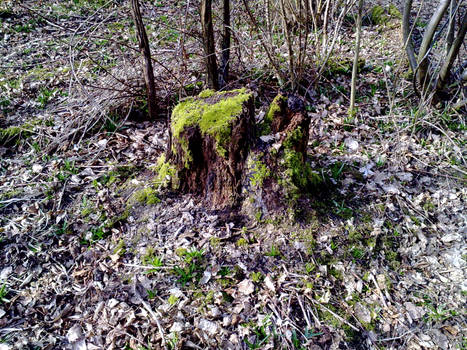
(380, 15)
(394, 12)
(213, 112)
(147, 196)
(274, 108)
(166, 174)
(342, 65)
(15, 133)
(120, 248)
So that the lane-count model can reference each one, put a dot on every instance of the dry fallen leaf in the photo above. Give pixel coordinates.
(246, 287)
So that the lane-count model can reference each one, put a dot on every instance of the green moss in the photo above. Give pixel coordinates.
(380, 15)
(298, 169)
(213, 119)
(242, 242)
(394, 12)
(429, 206)
(115, 220)
(339, 65)
(329, 319)
(257, 277)
(15, 133)
(147, 196)
(120, 248)
(166, 174)
(206, 93)
(215, 242)
(260, 172)
(180, 252)
(9, 194)
(274, 108)
(194, 86)
(40, 74)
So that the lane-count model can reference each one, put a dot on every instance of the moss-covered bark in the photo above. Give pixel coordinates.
(214, 153)
(211, 137)
(278, 174)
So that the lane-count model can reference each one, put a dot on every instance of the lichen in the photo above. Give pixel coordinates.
(274, 108)
(166, 174)
(213, 119)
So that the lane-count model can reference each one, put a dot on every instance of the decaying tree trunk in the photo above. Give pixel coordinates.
(277, 173)
(146, 51)
(216, 152)
(212, 134)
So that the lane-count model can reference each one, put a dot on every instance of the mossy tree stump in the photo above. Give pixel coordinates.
(278, 175)
(211, 137)
(216, 153)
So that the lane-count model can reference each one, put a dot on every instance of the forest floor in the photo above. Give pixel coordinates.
(380, 263)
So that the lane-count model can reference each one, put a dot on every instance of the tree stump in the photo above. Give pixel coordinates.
(211, 137)
(217, 153)
(277, 172)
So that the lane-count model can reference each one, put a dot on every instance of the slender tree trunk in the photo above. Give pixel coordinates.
(146, 51)
(452, 54)
(355, 60)
(280, 77)
(408, 36)
(209, 45)
(225, 44)
(288, 39)
(423, 60)
(325, 27)
(452, 25)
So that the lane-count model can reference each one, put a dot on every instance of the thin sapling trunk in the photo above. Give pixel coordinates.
(355, 61)
(146, 51)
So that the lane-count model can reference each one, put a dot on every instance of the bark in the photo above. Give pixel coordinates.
(452, 25)
(355, 61)
(423, 60)
(209, 44)
(452, 54)
(207, 165)
(146, 51)
(278, 176)
(225, 44)
(407, 35)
